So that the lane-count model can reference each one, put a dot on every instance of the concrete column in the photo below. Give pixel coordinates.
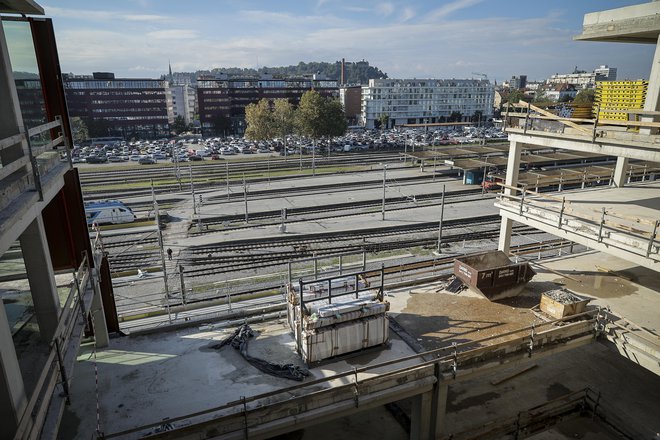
(420, 418)
(11, 121)
(439, 408)
(652, 102)
(39, 270)
(12, 389)
(620, 169)
(101, 335)
(512, 167)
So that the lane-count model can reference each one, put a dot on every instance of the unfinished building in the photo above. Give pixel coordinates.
(457, 367)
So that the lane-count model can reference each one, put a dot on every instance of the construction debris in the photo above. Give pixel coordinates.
(239, 340)
(563, 296)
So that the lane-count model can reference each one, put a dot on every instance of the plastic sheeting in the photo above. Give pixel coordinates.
(239, 340)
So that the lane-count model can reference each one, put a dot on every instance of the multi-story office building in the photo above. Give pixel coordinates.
(605, 73)
(222, 100)
(518, 82)
(124, 107)
(43, 233)
(417, 101)
(181, 101)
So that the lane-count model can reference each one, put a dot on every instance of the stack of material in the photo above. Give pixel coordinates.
(346, 320)
(619, 95)
(560, 303)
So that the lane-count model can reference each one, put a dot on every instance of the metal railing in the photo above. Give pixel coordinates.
(56, 372)
(597, 224)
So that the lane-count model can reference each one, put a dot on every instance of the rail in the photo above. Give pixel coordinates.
(457, 362)
(599, 224)
(56, 371)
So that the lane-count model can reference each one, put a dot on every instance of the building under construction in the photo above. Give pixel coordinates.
(430, 363)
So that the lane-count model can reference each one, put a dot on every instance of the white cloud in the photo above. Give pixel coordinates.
(102, 16)
(385, 8)
(173, 34)
(447, 9)
(407, 14)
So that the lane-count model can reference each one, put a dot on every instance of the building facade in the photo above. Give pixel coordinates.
(417, 101)
(583, 79)
(181, 101)
(124, 107)
(222, 100)
(518, 82)
(350, 98)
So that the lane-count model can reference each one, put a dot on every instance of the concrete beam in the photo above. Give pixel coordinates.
(636, 24)
(547, 225)
(39, 267)
(13, 399)
(101, 336)
(605, 146)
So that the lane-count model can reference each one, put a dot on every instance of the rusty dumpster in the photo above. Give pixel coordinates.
(492, 274)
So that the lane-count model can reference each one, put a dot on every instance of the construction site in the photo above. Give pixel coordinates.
(496, 291)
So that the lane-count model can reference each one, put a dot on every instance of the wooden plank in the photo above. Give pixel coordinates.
(43, 127)
(14, 166)
(565, 122)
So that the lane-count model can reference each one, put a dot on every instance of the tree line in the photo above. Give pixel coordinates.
(315, 117)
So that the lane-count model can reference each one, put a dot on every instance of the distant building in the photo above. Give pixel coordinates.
(181, 101)
(518, 82)
(222, 100)
(417, 101)
(350, 97)
(584, 80)
(605, 73)
(124, 107)
(561, 92)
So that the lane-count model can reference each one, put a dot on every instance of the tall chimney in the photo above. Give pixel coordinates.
(342, 79)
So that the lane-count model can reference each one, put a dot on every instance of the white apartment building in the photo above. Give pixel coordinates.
(585, 80)
(181, 101)
(418, 101)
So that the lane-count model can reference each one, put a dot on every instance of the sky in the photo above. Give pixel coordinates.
(405, 39)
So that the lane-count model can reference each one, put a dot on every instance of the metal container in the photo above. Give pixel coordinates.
(492, 274)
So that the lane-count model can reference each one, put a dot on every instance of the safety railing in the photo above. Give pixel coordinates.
(58, 365)
(33, 143)
(533, 118)
(637, 234)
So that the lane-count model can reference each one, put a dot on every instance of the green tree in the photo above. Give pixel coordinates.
(317, 116)
(97, 127)
(455, 117)
(78, 130)
(586, 96)
(259, 119)
(179, 125)
(383, 121)
(221, 124)
(515, 96)
(283, 115)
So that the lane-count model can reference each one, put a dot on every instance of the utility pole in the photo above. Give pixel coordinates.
(162, 252)
(245, 198)
(442, 214)
(268, 165)
(227, 178)
(314, 158)
(384, 187)
(192, 190)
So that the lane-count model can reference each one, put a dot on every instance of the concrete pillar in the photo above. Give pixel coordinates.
(439, 408)
(652, 102)
(420, 418)
(12, 389)
(512, 167)
(40, 275)
(11, 121)
(620, 172)
(101, 335)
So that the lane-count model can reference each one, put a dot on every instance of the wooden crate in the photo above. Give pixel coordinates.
(558, 310)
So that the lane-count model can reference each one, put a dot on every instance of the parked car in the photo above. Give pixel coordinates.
(194, 157)
(96, 159)
(146, 161)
